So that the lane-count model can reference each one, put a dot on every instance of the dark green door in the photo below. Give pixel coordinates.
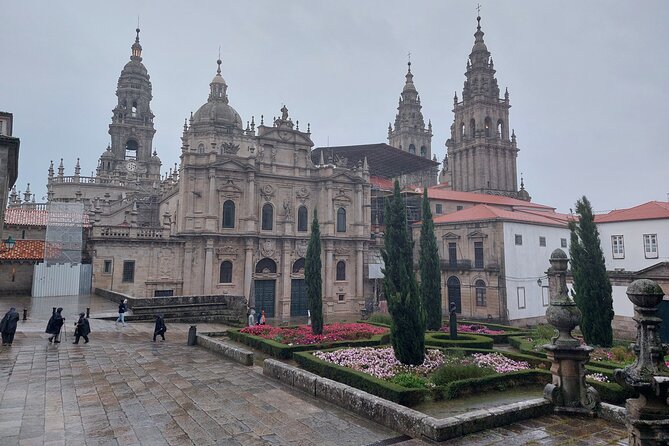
(265, 296)
(298, 298)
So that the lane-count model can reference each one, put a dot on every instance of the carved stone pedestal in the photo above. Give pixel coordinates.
(568, 391)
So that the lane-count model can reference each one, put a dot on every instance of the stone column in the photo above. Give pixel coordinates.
(286, 268)
(568, 391)
(327, 280)
(248, 272)
(208, 266)
(212, 193)
(359, 272)
(188, 270)
(251, 203)
(647, 417)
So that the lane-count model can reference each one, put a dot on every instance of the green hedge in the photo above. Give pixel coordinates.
(612, 393)
(472, 386)
(359, 380)
(284, 351)
(522, 344)
(438, 339)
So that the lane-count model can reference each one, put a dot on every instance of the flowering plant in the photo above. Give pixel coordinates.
(473, 328)
(302, 335)
(599, 377)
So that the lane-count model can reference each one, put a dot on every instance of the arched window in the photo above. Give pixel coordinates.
(423, 151)
(267, 217)
(302, 219)
(479, 285)
(500, 129)
(200, 148)
(298, 266)
(453, 287)
(226, 272)
(341, 270)
(131, 147)
(341, 220)
(488, 125)
(229, 214)
(266, 266)
(472, 128)
(462, 130)
(412, 149)
(133, 110)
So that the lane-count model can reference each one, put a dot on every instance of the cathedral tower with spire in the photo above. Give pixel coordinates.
(410, 133)
(481, 151)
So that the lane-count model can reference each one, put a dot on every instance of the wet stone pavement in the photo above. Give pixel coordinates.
(123, 389)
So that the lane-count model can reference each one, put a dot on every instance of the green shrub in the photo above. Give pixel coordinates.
(380, 319)
(438, 339)
(454, 372)
(409, 380)
(622, 355)
(544, 331)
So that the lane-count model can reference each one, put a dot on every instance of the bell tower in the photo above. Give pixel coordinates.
(131, 128)
(481, 152)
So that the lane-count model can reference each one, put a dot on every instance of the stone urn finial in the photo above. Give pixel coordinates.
(563, 314)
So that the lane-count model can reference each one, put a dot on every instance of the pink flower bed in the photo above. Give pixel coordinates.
(302, 335)
(381, 362)
(473, 328)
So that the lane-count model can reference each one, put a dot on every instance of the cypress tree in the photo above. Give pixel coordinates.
(592, 287)
(430, 272)
(313, 278)
(407, 331)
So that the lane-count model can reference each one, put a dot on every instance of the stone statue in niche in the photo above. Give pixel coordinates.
(287, 210)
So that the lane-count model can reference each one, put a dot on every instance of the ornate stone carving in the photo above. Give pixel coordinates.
(267, 192)
(227, 251)
(301, 247)
(287, 210)
(228, 147)
(342, 251)
(267, 247)
(340, 161)
(166, 263)
(303, 194)
(230, 189)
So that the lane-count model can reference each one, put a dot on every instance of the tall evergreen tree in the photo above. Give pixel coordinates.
(430, 272)
(407, 331)
(313, 278)
(592, 287)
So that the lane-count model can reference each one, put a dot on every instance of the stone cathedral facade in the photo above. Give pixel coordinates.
(482, 151)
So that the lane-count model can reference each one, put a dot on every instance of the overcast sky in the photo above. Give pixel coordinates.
(588, 80)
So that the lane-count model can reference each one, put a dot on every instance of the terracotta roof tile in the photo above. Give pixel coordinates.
(437, 193)
(646, 211)
(29, 250)
(485, 212)
(39, 217)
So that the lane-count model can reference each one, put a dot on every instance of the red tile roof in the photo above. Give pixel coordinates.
(38, 217)
(437, 193)
(381, 183)
(29, 250)
(647, 211)
(485, 212)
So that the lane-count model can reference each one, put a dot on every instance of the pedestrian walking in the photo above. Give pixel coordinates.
(160, 329)
(122, 308)
(263, 321)
(252, 318)
(54, 325)
(8, 326)
(83, 328)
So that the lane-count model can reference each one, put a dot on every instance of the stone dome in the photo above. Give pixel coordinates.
(217, 112)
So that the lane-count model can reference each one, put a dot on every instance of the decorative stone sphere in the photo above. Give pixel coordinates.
(645, 293)
(559, 260)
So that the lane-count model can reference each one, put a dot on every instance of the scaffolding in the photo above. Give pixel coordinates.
(64, 233)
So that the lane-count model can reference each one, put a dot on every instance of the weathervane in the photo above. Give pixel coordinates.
(478, 9)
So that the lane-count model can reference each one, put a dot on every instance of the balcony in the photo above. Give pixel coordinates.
(460, 264)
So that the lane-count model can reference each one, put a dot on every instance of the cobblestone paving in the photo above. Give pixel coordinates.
(123, 389)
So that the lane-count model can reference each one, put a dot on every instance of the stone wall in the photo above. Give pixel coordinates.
(16, 278)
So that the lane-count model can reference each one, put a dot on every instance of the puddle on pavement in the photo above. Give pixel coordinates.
(487, 400)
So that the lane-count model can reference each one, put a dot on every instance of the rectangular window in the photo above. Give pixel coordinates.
(163, 293)
(452, 254)
(478, 254)
(542, 241)
(545, 297)
(519, 239)
(128, 271)
(458, 208)
(618, 246)
(563, 242)
(107, 267)
(650, 245)
(438, 208)
(341, 297)
(521, 296)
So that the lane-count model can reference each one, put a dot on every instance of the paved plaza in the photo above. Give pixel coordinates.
(123, 389)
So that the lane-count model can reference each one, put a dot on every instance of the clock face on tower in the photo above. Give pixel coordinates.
(131, 166)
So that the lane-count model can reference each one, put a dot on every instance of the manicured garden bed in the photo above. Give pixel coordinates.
(375, 370)
(282, 342)
(439, 339)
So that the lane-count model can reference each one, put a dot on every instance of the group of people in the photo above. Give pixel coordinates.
(257, 320)
(82, 327)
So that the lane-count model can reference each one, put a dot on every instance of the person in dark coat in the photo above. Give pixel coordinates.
(160, 328)
(54, 325)
(122, 308)
(82, 330)
(8, 326)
